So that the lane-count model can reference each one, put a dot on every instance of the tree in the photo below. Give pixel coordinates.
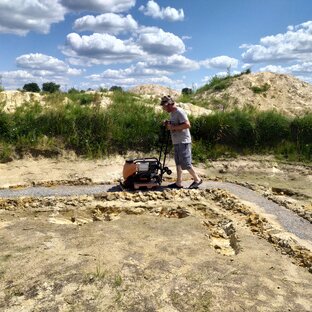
(115, 88)
(50, 87)
(186, 91)
(31, 87)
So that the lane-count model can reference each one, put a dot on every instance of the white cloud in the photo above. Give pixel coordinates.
(206, 79)
(295, 44)
(126, 80)
(140, 73)
(274, 69)
(296, 69)
(17, 74)
(110, 23)
(133, 72)
(145, 72)
(173, 63)
(99, 49)
(19, 16)
(302, 68)
(305, 78)
(156, 41)
(47, 65)
(221, 62)
(107, 49)
(13, 80)
(39, 68)
(170, 14)
(101, 6)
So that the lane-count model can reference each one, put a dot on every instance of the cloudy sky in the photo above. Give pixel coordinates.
(102, 43)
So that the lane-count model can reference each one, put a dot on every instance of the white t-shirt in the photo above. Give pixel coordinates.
(179, 117)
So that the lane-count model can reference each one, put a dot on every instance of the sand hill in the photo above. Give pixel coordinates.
(284, 93)
(12, 99)
(153, 90)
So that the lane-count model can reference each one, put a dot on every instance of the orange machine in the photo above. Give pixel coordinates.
(146, 172)
(143, 173)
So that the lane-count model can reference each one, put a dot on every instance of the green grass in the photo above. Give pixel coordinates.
(216, 84)
(262, 89)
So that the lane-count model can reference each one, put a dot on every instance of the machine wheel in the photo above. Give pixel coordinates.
(129, 183)
(167, 170)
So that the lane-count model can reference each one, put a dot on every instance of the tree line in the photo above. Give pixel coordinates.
(52, 87)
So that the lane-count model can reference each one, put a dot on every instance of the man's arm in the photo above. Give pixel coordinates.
(180, 127)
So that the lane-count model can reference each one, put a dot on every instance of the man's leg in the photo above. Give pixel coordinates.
(179, 175)
(193, 174)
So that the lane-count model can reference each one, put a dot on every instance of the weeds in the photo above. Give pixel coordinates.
(262, 89)
(100, 273)
(117, 280)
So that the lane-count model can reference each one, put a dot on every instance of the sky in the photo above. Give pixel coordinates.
(180, 44)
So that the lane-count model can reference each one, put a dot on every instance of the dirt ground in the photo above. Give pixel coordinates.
(176, 250)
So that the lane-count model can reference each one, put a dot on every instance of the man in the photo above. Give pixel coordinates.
(179, 127)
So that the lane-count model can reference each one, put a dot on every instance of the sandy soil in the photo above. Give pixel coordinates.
(179, 250)
(285, 94)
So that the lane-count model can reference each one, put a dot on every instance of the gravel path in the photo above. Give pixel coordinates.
(287, 219)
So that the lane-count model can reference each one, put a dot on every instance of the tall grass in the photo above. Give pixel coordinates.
(301, 134)
(235, 129)
(253, 132)
(272, 128)
(130, 125)
(91, 131)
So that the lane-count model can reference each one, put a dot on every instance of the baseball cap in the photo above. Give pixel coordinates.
(166, 100)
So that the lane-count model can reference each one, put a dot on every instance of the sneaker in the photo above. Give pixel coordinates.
(195, 185)
(174, 186)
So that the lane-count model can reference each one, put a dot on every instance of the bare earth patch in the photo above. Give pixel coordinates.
(178, 250)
